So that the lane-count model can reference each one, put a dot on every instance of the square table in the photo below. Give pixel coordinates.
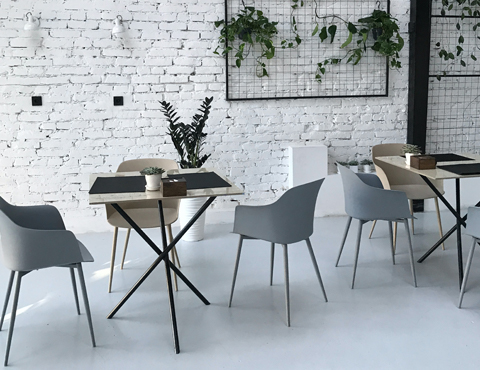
(117, 198)
(470, 167)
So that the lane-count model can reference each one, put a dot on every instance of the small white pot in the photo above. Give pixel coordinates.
(153, 182)
(354, 169)
(188, 208)
(367, 168)
(408, 156)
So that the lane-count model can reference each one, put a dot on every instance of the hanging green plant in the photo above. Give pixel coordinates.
(470, 8)
(385, 35)
(251, 28)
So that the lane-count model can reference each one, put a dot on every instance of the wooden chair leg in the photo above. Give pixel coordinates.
(440, 229)
(371, 230)
(172, 255)
(127, 237)
(170, 235)
(411, 212)
(112, 261)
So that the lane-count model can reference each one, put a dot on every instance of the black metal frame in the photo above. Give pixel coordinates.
(227, 90)
(162, 256)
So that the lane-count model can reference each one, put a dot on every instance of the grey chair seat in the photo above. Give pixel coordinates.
(288, 220)
(473, 229)
(147, 217)
(34, 238)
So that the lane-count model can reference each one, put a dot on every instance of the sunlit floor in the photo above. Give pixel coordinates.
(384, 323)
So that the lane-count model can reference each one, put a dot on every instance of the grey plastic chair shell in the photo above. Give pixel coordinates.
(33, 238)
(368, 203)
(473, 229)
(144, 213)
(288, 220)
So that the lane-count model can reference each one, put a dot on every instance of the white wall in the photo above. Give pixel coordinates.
(76, 65)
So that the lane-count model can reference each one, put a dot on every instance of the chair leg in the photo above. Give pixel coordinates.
(272, 257)
(127, 238)
(112, 260)
(357, 250)
(236, 269)
(411, 212)
(20, 274)
(287, 282)
(349, 221)
(85, 301)
(315, 266)
(467, 271)
(75, 293)
(391, 240)
(371, 230)
(395, 236)
(439, 220)
(170, 235)
(410, 249)
(7, 297)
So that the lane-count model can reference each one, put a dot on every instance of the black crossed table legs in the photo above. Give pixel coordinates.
(457, 227)
(163, 256)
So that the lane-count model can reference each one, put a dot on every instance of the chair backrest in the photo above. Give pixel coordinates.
(138, 165)
(391, 175)
(473, 222)
(364, 202)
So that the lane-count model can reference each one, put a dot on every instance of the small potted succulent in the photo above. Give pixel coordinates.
(345, 164)
(409, 150)
(367, 165)
(153, 176)
(353, 165)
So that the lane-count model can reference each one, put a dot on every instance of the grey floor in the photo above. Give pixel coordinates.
(384, 323)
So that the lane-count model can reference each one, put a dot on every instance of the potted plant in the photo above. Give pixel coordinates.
(367, 165)
(345, 164)
(153, 176)
(353, 165)
(189, 140)
(409, 150)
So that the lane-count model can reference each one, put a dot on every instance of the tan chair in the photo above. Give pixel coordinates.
(144, 213)
(395, 178)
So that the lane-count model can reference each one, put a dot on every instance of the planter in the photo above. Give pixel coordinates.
(354, 168)
(367, 168)
(408, 156)
(153, 182)
(188, 207)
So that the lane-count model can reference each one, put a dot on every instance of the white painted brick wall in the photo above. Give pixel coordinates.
(77, 66)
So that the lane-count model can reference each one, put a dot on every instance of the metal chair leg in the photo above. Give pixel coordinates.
(127, 237)
(236, 269)
(112, 260)
(75, 293)
(391, 241)
(395, 226)
(85, 301)
(357, 250)
(7, 297)
(439, 220)
(315, 266)
(410, 249)
(272, 257)
(467, 271)
(371, 230)
(287, 282)
(349, 221)
(20, 274)
(411, 212)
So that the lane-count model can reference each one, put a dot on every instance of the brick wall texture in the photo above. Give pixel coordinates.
(77, 66)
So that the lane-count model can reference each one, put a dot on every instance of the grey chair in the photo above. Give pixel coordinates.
(288, 220)
(33, 238)
(368, 203)
(473, 229)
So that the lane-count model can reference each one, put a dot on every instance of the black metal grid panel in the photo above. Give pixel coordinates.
(292, 71)
(453, 102)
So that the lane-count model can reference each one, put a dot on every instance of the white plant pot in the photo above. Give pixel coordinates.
(354, 169)
(153, 182)
(188, 207)
(408, 156)
(367, 168)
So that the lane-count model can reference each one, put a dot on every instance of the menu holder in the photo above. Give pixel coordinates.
(174, 187)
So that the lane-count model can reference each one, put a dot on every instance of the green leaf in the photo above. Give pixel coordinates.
(323, 34)
(463, 63)
(458, 26)
(473, 57)
(332, 30)
(351, 28)
(461, 39)
(348, 41)
(315, 30)
(238, 62)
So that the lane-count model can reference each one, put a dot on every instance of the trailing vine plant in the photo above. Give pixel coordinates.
(470, 8)
(385, 35)
(251, 27)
